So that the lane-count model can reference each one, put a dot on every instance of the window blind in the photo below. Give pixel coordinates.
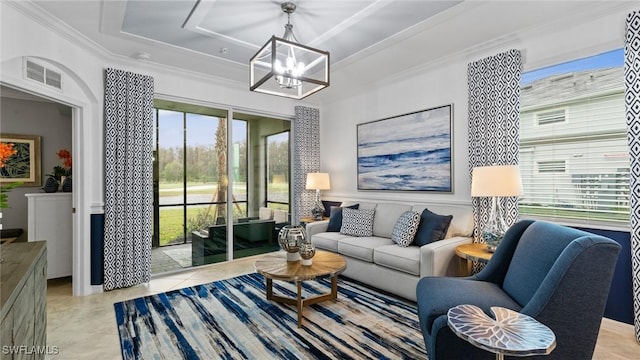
(573, 148)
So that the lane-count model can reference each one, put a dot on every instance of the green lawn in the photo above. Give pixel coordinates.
(171, 225)
(175, 189)
(171, 218)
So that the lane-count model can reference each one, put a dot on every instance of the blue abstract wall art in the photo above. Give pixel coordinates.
(410, 152)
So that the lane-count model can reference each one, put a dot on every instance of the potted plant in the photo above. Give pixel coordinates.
(61, 175)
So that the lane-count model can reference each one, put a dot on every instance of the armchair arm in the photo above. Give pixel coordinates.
(438, 257)
(317, 227)
(497, 267)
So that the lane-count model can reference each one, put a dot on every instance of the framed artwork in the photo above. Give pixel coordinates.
(409, 152)
(22, 161)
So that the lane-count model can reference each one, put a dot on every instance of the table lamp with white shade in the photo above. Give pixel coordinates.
(318, 181)
(495, 181)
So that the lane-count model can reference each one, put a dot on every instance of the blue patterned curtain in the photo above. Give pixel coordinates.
(128, 172)
(494, 124)
(632, 105)
(306, 158)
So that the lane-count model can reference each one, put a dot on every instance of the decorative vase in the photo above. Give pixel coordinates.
(51, 185)
(307, 251)
(66, 184)
(290, 238)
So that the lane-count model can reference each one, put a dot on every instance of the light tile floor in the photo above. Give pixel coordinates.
(85, 327)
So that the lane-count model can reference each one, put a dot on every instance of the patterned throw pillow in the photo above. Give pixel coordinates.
(335, 221)
(357, 222)
(405, 228)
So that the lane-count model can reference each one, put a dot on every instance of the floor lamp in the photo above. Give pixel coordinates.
(318, 181)
(495, 181)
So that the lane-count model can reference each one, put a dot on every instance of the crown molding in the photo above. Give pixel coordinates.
(42, 17)
(506, 42)
(34, 12)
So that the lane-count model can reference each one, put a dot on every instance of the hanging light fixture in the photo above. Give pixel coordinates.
(286, 68)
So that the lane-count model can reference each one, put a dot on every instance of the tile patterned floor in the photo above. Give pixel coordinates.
(162, 263)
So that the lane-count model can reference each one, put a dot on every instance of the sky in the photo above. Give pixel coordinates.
(614, 58)
(201, 129)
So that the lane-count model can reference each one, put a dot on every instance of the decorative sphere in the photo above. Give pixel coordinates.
(290, 238)
(307, 250)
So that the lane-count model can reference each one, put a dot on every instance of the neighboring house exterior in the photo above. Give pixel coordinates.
(573, 145)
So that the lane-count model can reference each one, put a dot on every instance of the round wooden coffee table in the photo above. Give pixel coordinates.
(276, 267)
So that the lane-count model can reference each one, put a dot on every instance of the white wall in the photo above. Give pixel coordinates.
(445, 82)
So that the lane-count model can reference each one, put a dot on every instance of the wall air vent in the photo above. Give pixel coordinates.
(42, 74)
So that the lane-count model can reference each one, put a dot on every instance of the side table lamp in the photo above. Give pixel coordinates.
(495, 181)
(318, 181)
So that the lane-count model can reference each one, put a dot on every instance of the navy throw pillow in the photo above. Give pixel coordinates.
(433, 227)
(335, 220)
(328, 205)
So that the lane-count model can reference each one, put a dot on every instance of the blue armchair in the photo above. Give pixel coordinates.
(558, 275)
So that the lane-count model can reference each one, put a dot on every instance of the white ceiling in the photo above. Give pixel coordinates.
(367, 39)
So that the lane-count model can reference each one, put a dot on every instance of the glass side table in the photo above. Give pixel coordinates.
(510, 333)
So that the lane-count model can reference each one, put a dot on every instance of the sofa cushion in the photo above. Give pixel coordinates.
(357, 222)
(433, 227)
(327, 240)
(335, 221)
(385, 218)
(265, 213)
(362, 247)
(405, 259)
(280, 216)
(405, 228)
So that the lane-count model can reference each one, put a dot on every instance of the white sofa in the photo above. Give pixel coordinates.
(379, 262)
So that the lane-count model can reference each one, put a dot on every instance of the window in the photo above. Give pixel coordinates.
(278, 171)
(551, 166)
(551, 117)
(573, 147)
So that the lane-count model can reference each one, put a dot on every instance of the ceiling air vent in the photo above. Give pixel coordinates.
(44, 75)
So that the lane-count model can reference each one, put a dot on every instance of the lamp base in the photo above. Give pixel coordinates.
(495, 228)
(317, 213)
(318, 209)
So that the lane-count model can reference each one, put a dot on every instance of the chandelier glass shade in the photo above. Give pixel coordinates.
(286, 68)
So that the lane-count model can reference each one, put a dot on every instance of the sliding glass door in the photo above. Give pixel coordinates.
(202, 160)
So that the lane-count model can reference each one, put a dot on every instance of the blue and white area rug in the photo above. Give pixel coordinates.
(232, 319)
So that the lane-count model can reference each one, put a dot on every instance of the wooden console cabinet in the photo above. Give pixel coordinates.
(50, 219)
(23, 300)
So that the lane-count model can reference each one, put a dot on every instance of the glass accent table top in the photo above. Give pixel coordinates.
(510, 333)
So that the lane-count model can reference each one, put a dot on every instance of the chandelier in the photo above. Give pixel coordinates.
(286, 68)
